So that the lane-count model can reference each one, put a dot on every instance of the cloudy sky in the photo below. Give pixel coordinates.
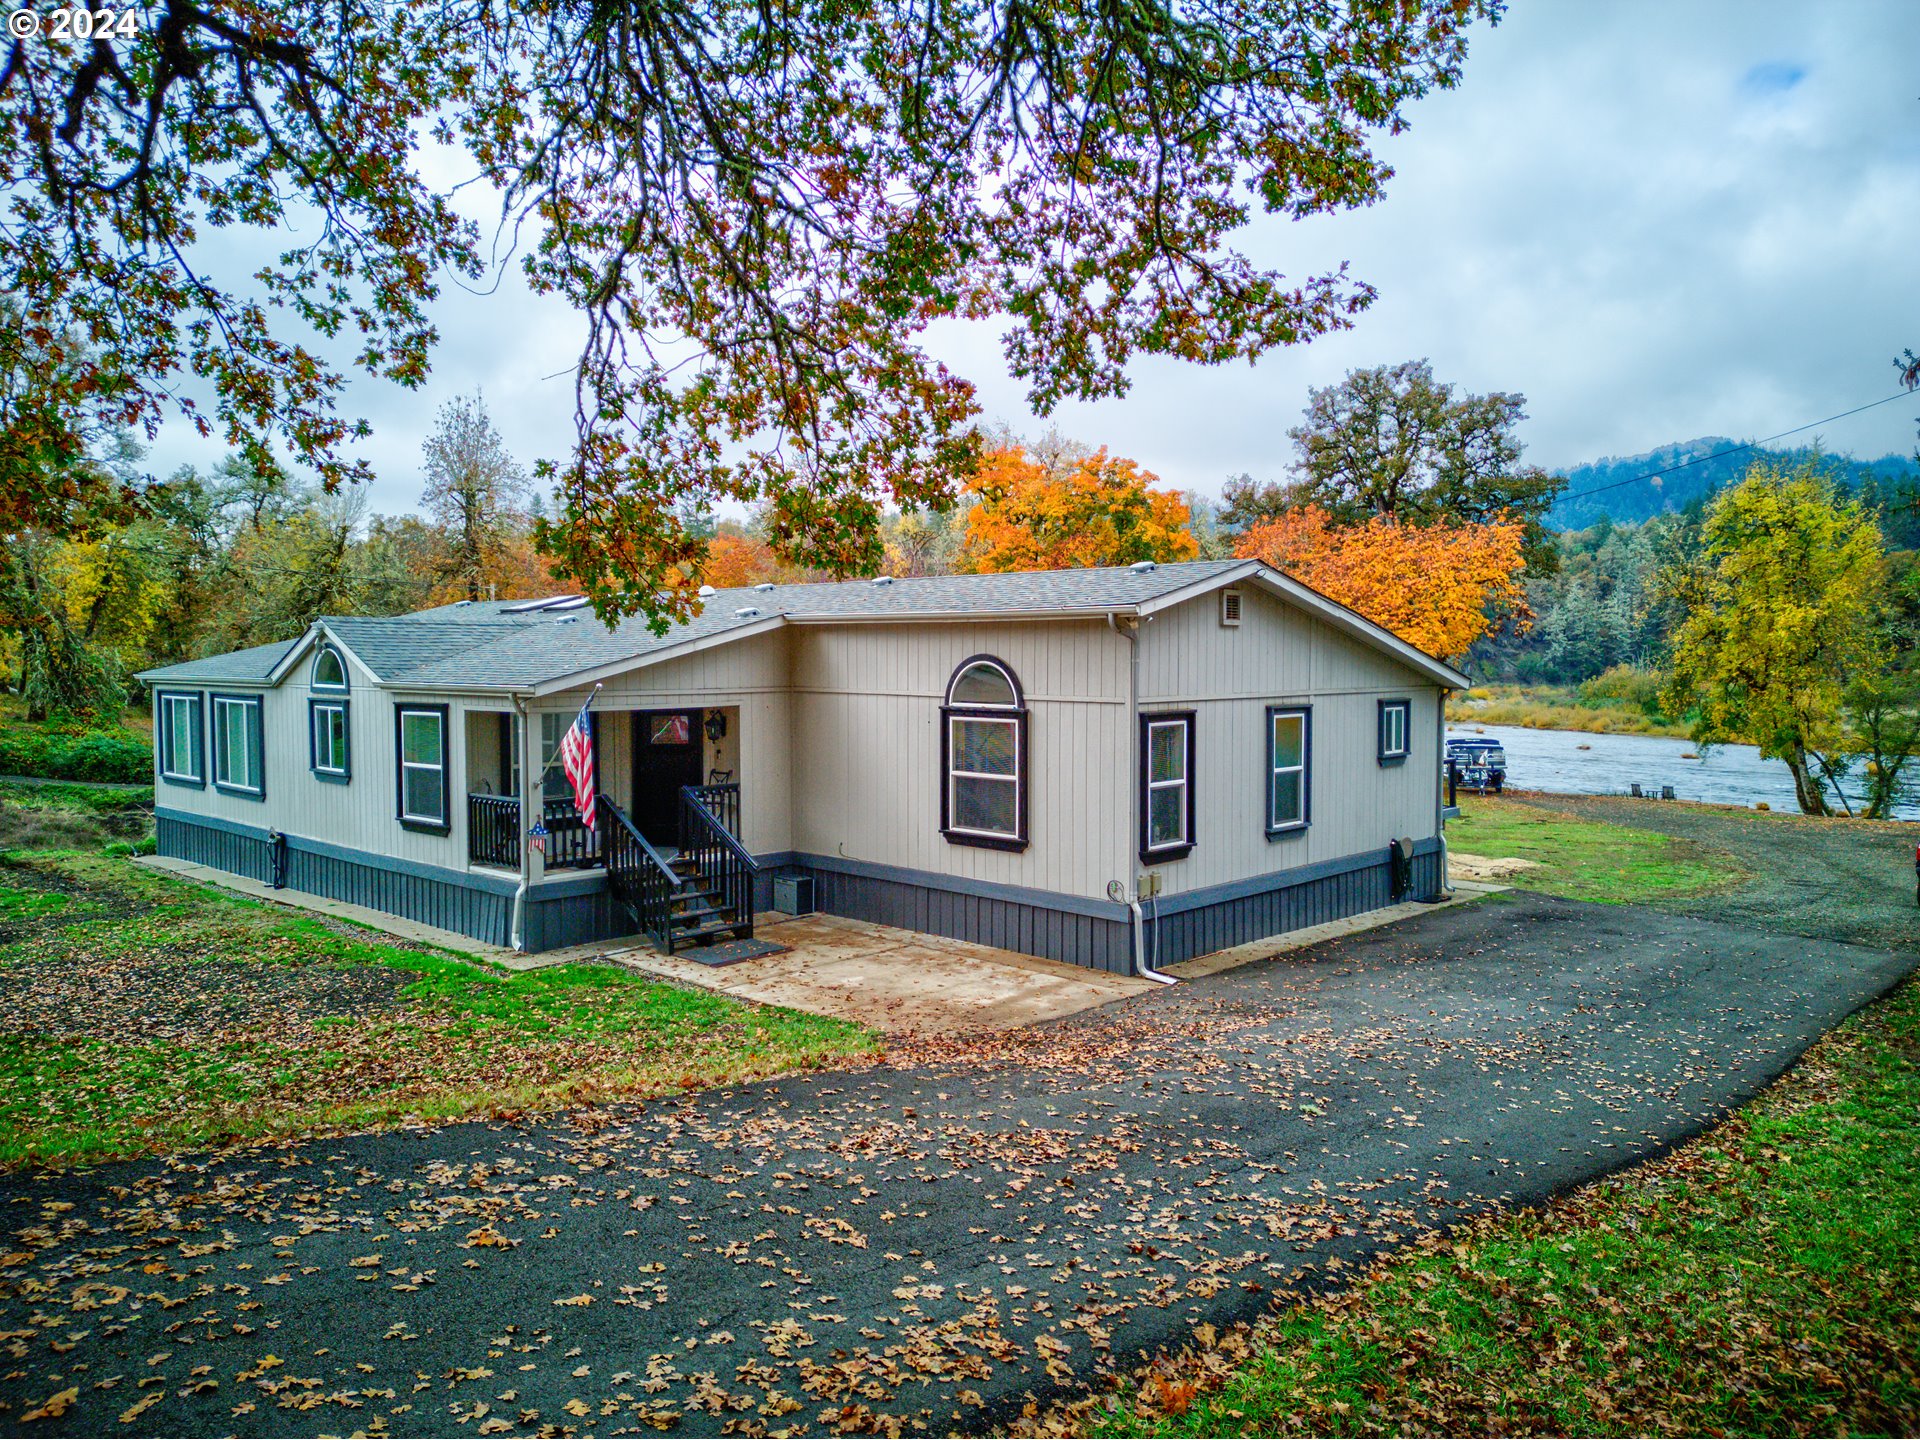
(1655, 220)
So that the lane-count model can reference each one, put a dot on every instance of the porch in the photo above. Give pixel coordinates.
(667, 822)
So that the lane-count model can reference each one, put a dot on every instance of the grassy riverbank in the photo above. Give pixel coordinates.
(1584, 859)
(1559, 707)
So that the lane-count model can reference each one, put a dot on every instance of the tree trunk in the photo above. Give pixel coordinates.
(1807, 788)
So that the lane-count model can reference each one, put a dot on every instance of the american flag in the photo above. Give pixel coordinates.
(576, 757)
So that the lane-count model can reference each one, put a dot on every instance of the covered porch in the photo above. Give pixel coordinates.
(665, 841)
(643, 760)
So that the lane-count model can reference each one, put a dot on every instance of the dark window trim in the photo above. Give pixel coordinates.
(1291, 827)
(346, 676)
(315, 705)
(1019, 714)
(165, 725)
(256, 703)
(1150, 855)
(1387, 757)
(431, 827)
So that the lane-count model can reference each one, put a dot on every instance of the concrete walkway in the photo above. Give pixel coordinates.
(898, 981)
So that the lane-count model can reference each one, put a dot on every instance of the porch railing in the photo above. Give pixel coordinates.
(725, 868)
(493, 833)
(722, 802)
(641, 880)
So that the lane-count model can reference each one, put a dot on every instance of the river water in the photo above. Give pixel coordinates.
(1575, 762)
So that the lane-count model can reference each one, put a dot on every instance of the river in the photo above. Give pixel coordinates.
(1576, 762)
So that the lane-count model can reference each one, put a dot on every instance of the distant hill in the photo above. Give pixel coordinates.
(1642, 499)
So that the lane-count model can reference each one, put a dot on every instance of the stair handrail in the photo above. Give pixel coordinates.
(715, 848)
(648, 885)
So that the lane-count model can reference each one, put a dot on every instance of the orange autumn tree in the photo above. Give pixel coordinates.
(734, 561)
(1095, 510)
(1440, 587)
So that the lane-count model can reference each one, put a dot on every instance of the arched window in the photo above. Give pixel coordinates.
(329, 670)
(983, 757)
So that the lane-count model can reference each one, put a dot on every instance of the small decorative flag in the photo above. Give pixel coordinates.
(576, 756)
(538, 835)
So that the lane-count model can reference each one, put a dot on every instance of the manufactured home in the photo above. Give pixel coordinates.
(1112, 767)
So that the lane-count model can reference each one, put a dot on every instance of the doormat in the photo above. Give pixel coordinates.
(730, 952)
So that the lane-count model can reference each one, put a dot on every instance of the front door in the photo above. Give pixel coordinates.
(666, 755)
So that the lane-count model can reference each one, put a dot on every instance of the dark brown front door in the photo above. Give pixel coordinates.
(666, 755)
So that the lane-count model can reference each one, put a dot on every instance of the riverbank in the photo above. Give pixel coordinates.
(1557, 707)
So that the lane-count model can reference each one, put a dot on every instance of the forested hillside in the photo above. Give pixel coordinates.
(1636, 500)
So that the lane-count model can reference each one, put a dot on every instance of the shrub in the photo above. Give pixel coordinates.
(96, 755)
(1626, 685)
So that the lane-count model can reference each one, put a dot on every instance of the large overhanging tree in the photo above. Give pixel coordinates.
(758, 207)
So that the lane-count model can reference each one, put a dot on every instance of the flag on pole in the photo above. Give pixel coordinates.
(576, 757)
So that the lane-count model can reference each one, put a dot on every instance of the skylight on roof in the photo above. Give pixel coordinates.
(550, 602)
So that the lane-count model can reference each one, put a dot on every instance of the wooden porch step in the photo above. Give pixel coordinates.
(705, 930)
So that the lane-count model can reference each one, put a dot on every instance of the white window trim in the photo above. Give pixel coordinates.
(1185, 727)
(1402, 711)
(313, 676)
(1304, 715)
(440, 770)
(170, 738)
(220, 746)
(1008, 717)
(314, 712)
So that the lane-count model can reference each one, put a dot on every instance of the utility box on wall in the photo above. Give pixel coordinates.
(793, 894)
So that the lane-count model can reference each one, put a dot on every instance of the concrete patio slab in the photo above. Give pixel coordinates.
(898, 981)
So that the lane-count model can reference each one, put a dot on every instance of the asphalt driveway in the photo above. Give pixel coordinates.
(924, 1245)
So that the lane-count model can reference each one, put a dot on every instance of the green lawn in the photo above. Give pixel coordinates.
(1760, 1280)
(1587, 859)
(139, 1012)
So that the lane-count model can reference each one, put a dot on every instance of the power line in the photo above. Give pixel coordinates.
(1731, 450)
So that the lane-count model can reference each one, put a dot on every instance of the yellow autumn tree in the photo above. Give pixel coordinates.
(1096, 510)
(1439, 587)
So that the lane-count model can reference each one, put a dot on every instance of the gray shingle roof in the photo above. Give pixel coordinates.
(576, 641)
(253, 664)
(493, 644)
(393, 645)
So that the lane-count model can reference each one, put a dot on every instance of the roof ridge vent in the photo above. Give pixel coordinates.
(706, 590)
(1143, 567)
(882, 580)
(764, 586)
(748, 610)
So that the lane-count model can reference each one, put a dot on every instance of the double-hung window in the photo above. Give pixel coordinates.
(238, 750)
(1166, 780)
(1289, 768)
(182, 744)
(1394, 715)
(422, 747)
(983, 797)
(327, 739)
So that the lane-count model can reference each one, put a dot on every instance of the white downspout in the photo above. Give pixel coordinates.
(1140, 966)
(517, 933)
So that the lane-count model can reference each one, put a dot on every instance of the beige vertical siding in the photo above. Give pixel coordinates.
(1279, 656)
(359, 814)
(867, 748)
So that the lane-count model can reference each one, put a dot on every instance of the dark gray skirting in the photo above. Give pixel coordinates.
(577, 909)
